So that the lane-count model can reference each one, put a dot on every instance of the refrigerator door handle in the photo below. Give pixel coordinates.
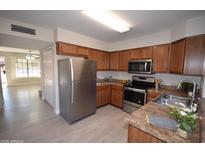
(72, 84)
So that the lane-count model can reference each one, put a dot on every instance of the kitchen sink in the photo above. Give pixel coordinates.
(172, 99)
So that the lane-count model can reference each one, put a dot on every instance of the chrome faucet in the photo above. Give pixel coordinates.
(190, 81)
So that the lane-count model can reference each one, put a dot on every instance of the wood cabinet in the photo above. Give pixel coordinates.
(141, 53)
(71, 49)
(187, 56)
(136, 135)
(152, 95)
(161, 58)
(105, 60)
(82, 51)
(124, 57)
(94, 54)
(177, 56)
(98, 96)
(114, 61)
(195, 55)
(117, 95)
(103, 94)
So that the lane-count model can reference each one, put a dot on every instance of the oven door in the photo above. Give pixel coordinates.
(140, 66)
(134, 96)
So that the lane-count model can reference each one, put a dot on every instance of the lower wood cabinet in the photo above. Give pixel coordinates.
(98, 96)
(152, 95)
(109, 94)
(136, 135)
(103, 95)
(117, 95)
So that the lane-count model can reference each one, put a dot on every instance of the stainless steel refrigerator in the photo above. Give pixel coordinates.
(77, 88)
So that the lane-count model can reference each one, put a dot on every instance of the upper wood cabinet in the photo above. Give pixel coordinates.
(82, 51)
(114, 61)
(194, 56)
(161, 58)
(141, 53)
(105, 60)
(71, 49)
(124, 57)
(177, 56)
(66, 49)
(94, 54)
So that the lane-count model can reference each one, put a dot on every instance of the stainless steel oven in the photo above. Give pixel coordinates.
(140, 66)
(135, 95)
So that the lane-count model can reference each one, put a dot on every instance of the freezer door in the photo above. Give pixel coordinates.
(82, 69)
(83, 99)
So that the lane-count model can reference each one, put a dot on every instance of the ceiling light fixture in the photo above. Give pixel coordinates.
(108, 19)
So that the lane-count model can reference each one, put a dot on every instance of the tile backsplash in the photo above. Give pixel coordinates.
(167, 79)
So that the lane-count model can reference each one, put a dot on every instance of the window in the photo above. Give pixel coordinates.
(27, 68)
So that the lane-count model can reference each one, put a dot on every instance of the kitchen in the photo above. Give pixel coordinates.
(164, 58)
(131, 76)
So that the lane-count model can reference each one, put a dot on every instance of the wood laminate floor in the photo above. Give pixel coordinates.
(25, 117)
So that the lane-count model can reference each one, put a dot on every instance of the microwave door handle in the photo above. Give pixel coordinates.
(145, 66)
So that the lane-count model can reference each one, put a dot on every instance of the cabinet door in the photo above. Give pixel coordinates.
(136, 135)
(141, 53)
(82, 51)
(117, 95)
(195, 54)
(66, 49)
(151, 95)
(105, 61)
(105, 94)
(95, 55)
(124, 57)
(98, 96)
(114, 61)
(177, 56)
(146, 53)
(161, 58)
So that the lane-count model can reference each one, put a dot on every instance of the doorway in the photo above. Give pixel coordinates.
(3, 71)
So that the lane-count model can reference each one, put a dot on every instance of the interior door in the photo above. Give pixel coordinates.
(48, 77)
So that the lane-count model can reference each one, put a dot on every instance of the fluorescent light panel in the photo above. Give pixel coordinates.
(108, 19)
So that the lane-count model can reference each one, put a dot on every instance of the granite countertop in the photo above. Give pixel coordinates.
(138, 120)
(169, 90)
(113, 82)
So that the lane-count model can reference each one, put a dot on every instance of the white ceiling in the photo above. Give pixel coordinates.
(22, 42)
(17, 50)
(142, 22)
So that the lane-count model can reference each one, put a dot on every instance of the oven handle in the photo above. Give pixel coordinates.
(135, 90)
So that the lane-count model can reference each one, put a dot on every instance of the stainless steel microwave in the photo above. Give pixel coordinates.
(140, 66)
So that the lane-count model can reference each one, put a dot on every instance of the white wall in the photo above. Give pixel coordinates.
(147, 40)
(79, 39)
(167, 79)
(194, 26)
(42, 34)
(10, 64)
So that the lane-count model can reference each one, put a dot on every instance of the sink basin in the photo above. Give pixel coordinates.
(172, 99)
